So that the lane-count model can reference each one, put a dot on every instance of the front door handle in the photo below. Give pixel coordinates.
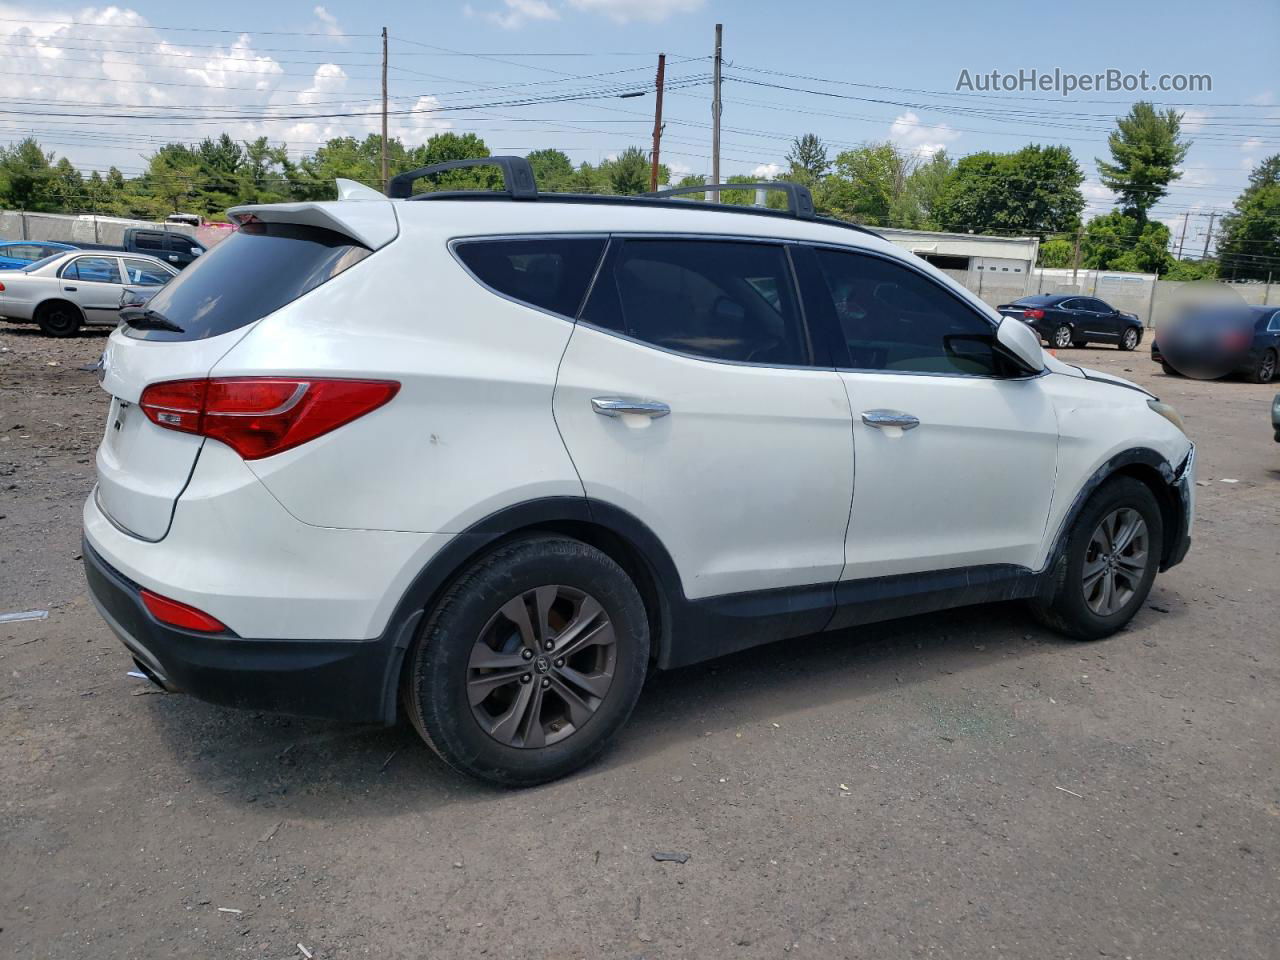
(618, 406)
(890, 418)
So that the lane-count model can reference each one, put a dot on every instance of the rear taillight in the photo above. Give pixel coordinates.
(261, 416)
(177, 614)
(1034, 314)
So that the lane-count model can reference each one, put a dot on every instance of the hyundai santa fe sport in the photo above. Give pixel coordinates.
(486, 459)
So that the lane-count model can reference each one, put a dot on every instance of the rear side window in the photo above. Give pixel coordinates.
(548, 272)
(148, 241)
(723, 300)
(254, 272)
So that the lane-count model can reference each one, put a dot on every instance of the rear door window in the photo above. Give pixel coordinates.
(552, 273)
(92, 269)
(254, 272)
(143, 274)
(718, 299)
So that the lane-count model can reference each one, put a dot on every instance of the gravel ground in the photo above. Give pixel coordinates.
(954, 785)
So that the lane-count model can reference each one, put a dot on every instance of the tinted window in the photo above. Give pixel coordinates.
(551, 273)
(255, 271)
(148, 241)
(1097, 306)
(144, 274)
(1072, 305)
(94, 269)
(179, 243)
(718, 299)
(1274, 325)
(896, 319)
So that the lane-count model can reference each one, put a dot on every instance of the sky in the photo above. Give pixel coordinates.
(106, 85)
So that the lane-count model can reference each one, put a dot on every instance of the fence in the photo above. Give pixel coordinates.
(91, 230)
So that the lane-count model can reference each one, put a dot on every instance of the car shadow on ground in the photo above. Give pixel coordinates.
(333, 771)
(32, 332)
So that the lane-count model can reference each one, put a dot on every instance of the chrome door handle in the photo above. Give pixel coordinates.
(617, 406)
(890, 418)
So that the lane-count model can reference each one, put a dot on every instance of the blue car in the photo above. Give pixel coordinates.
(16, 254)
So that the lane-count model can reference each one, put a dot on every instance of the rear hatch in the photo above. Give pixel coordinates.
(279, 253)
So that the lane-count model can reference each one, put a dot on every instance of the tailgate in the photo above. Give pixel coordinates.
(142, 468)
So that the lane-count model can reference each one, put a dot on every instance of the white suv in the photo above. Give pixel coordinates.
(486, 458)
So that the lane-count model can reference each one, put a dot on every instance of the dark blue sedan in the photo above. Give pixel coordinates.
(1071, 320)
(16, 254)
(1243, 340)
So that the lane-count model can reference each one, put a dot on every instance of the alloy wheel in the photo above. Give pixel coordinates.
(1115, 561)
(1130, 339)
(542, 666)
(1062, 337)
(1267, 368)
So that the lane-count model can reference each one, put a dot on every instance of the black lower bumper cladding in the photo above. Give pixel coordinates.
(334, 679)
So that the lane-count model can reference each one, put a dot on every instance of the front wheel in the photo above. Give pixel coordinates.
(1264, 371)
(1062, 337)
(530, 663)
(1113, 552)
(1129, 339)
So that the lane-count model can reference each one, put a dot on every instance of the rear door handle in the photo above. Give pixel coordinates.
(69, 289)
(890, 418)
(617, 406)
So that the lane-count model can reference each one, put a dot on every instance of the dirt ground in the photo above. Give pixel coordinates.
(1009, 793)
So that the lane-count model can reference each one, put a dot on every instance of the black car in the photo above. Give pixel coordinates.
(1070, 320)
(1252, 346)
(174, 248)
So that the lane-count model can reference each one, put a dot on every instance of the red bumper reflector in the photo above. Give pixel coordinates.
(180, 615)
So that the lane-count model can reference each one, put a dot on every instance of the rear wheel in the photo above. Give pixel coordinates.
(59, 318)
(1129, 339)
(1264, 371)
(531, 661)
(1113, 552)
(1062, 337)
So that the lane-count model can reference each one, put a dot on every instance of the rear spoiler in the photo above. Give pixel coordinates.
(370, 224)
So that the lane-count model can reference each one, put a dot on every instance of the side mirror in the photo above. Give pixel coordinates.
(1023, 342)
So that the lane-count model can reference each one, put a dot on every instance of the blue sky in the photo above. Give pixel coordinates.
(877, 72)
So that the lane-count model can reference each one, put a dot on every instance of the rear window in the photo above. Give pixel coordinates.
(254, 272)
(548, 272)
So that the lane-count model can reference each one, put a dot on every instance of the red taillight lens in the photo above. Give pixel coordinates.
(1034, 314)
(1, 288)
(261, 416)
(180, 615)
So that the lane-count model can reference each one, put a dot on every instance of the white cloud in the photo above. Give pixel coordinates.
(519, 12)
(625, 11)
(184, 92)
(328, 22)
(767, 171)
(1097, 198)
(1193, 120)
(922, 139)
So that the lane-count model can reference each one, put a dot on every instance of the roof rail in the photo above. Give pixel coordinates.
(799, 199)
(517, 176)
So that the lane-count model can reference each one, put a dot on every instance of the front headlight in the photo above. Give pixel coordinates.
(1170, 414)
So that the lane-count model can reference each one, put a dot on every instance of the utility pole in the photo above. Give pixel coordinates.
(1209, 235)
(1183, 238)
(657, 124)
(1075, 261)
(715, 117)
(384, 110)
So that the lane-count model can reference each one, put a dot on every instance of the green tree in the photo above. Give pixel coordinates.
(27, 177)
(866, 184)
(1056, 252)
(1192, 270)
(552, 169)
(629, 173)
(923, 194)
(1034, 191)
(444, 147)
(1249, 247)
(1145, 153)
(1117, 241)
(807, 160)
(68, 191)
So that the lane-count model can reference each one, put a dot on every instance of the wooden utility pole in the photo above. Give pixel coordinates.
(1183, 238)
(715, 116)
(657, 124)
(1208, 235)
(1075, 261)
(384, 110)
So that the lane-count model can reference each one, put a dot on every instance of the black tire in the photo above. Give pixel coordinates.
(1130, 338)
(1264, 371)
(1168, 370)
(59, 318)
(1079, 344)
(1067, 608)
(441, 669)
(1061, 337)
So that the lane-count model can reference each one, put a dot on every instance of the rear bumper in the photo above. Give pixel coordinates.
(336, 679)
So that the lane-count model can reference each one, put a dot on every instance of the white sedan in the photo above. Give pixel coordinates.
(67, 290)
